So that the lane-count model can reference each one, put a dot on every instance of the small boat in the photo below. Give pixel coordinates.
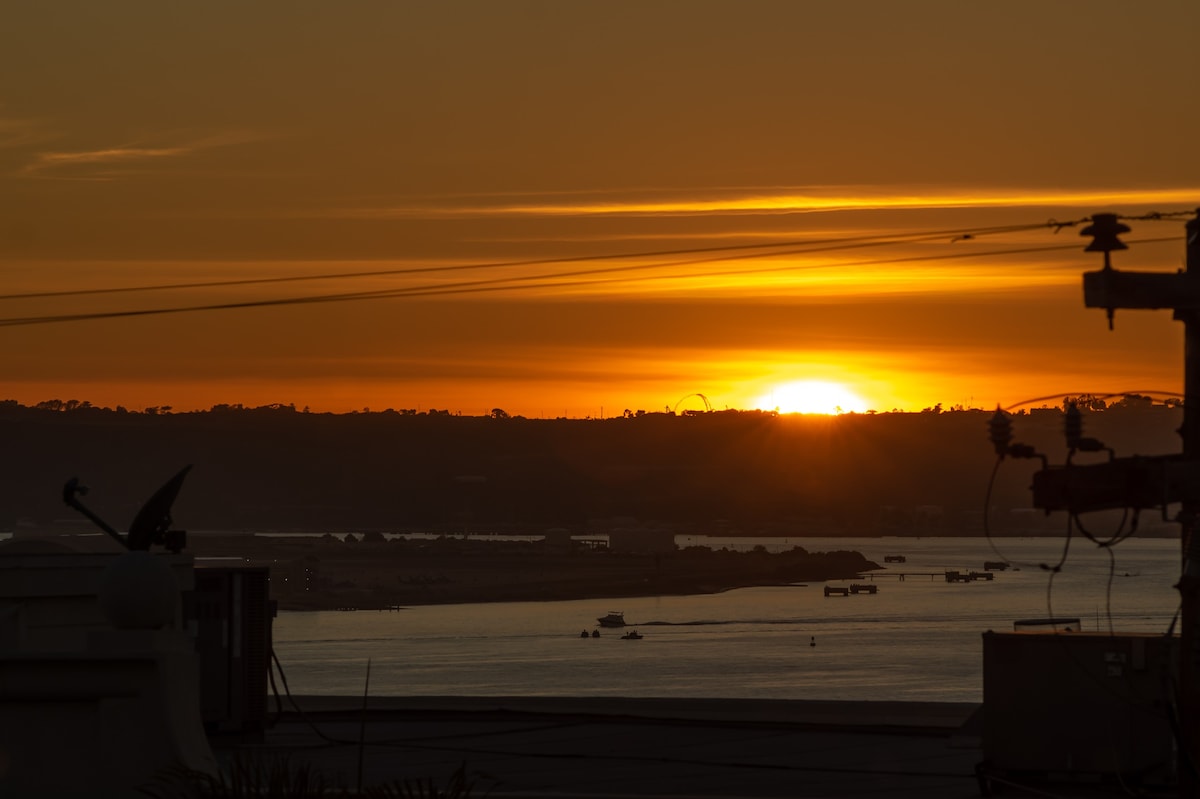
(615, 618)
(894, 559)
(632, 635)
(1062, 624)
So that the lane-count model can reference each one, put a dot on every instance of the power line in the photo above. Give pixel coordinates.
(812, 245)
(1097, 394)
(506, 283)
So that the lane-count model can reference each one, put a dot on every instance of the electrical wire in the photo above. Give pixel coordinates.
(1097, 395)
(299, 711)
(1022, 787)
(1112, 569)
(987, 532)
(1073, 522)
(848, 242)
(1157, 216)
(505, 283)
(589, 756)
(1054, 571)
(1120, 535)
(812, 245)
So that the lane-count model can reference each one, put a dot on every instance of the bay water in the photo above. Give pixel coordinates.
(916, 639)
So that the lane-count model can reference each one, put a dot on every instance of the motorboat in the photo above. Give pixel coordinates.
(614, 618)
(632, 635)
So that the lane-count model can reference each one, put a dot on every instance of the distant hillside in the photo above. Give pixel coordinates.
(729, 472)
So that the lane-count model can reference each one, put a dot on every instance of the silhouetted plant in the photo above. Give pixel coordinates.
(459, 786)
(277, 777)
(274, 777)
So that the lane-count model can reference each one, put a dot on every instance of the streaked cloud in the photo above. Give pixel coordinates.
(721, 201)
(112, 155)
(793, 202)
(21, 132)
(101, 163)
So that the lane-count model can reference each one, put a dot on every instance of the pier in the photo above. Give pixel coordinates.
(847, 590)
(968, 577)
(898, 575)
(948, 576)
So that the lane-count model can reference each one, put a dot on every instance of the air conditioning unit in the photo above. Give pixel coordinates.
(230, 614)
(1079, 706)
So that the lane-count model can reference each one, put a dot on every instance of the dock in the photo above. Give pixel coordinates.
(853, 588)
(968, 577)
(948, 576)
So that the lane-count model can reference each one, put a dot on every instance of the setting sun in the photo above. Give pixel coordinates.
(811, 396)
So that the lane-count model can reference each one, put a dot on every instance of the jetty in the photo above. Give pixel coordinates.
(947, 575)
(853, 588)
(967, 577)
(872, 576)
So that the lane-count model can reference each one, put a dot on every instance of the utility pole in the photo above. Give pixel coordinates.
(1189, 580)
(1151, 482)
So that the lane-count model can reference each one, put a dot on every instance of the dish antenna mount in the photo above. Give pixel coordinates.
(152, 525)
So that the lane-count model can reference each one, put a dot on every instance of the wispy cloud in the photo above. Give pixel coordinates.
(21, 132)
(106, 156)
(787, 201)
(793, 202)
(104, 163)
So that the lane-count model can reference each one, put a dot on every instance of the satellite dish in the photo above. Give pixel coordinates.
(152, 525)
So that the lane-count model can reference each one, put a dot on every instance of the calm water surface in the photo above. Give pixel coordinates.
(916, 639)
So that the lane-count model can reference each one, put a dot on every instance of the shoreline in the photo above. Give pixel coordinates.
(320, 603)
(308, 574)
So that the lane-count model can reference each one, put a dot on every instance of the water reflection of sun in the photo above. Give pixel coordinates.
(811, 396)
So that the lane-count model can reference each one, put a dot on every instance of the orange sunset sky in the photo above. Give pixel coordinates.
(527, 200)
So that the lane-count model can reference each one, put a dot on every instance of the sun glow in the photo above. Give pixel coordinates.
(811, 396)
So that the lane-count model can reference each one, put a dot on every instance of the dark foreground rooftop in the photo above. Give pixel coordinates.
(614, 747)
